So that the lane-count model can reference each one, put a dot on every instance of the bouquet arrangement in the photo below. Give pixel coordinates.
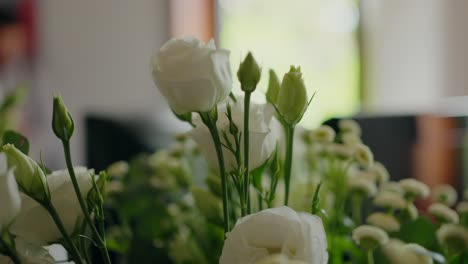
(246, 185)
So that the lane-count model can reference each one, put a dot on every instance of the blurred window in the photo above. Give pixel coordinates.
(318, 35)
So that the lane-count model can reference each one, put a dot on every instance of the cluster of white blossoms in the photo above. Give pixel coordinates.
(25, 217)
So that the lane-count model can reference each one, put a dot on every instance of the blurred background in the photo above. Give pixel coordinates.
(398, 67)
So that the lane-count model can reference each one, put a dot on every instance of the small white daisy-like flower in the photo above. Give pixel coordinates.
(453, 236)
(416, 254)
(462, 207)
(445, 194)
(369, 237)
(362, 185)
(349, 125)
(388, 199)
(414, 188)
(385, 221)
(391, 187)
(366, 174)
(412, 211)
(118, 169)
(323, 134)
(339, 150)
(381, 173)
(364, 156)
(350, 139)
(443, 212)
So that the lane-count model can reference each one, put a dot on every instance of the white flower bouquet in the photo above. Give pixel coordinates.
(246, 185)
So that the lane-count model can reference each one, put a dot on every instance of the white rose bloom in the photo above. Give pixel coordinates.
(385, 221)
(262, 142)
(9, 194)
(193, 77)
(279, 259)
(445, 194)
(443, 212)
(388, 199)
(29, 254)
(297, 236)
(34, 224)
(414, 188)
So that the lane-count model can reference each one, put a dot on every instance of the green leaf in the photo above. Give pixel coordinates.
(420, 231)
(16, 139)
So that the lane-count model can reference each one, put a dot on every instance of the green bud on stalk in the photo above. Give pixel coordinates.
(249, 73)
(62, 122)
(30, 177)
(273, 87)
(292, 99)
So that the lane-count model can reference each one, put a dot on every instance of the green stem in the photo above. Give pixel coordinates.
(370, 257)
(288, 162)
(356, 200)
(8, 248)
(246, 151)
(89, 220)
(211, 124)
(71, 248)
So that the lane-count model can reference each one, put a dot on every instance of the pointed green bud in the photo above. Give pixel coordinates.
(273, 88)
(30, 177)
(185, 117)
(292, 101)
(62, 122)
(249, 73)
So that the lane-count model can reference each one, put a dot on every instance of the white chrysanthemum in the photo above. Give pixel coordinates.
(381, 173)
(414, 188)
(412, 211)
(339, 150)
(462, 207)
(362, 185)
(385, 221)
(445, 194)
(443, 212)
(366, 174)
(391, 187)
(398, 252)
(390, 200)
(350, 139)
(364, 156)
(349, 125)
(118, 169)
(453, 236)
(369, 237)
(323, 134)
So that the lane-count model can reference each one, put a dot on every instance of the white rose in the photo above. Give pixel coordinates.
(262, 142)
(193, 77)
(9, 194)
(34, 224)
(29, 253)
(297, 236)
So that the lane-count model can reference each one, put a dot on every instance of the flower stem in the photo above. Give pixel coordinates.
(246, 152)
(289, 129)
(7, 247)
(370, 257)
(357, 210)
(101, 243)
(71, 248)
(211, 124)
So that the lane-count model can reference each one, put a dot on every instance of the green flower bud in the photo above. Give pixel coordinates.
(273, 88)
(292, 97)
(249, 73)
(62, 122)
(29, 176)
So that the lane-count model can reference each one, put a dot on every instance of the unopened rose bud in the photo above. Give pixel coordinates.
(273, 88)
(249, 73)
(29, 175)
(62, 122)
(292, 98)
